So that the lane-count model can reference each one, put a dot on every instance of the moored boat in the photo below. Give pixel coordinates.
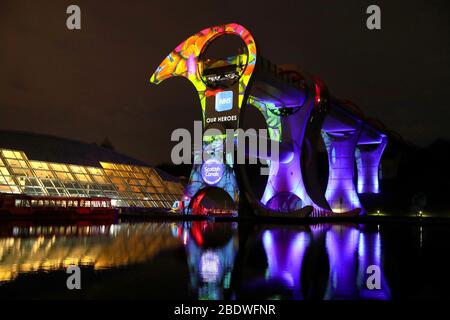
(17, 206)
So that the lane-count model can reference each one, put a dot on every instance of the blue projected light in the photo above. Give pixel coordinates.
(224, 101)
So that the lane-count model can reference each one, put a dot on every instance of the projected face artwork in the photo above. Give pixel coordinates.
(298, 111)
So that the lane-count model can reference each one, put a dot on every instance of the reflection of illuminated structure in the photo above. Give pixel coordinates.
(285, 250)
(295, 267)
(210, 266)
(342, 245)
(50, 166)
(351, 252)
(298, 111)
(46, 248)
(369, 253)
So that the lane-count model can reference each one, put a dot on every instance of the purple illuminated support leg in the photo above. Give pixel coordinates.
(341, 194)
(368, 157)
(288, 177)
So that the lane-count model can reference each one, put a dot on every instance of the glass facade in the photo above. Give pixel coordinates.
(127, 185)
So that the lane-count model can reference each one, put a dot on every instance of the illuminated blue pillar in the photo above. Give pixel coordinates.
(341, 194)
(368, 157)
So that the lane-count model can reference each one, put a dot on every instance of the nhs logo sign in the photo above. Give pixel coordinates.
(224, 101)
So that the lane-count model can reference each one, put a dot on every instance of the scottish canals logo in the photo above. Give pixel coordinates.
(212, 171)
(224, 101)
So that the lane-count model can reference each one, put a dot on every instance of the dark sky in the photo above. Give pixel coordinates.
(93, 83)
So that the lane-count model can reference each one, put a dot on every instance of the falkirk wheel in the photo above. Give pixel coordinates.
(300, 115)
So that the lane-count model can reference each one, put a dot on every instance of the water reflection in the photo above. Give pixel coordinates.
(285, 250)
(316, 262)
(351, 251)
(221, 260)
(210, 249)
(46, 248)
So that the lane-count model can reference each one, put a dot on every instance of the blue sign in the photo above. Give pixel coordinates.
(224, 101)
(212, 171)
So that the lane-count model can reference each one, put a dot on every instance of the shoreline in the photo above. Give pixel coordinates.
(370, 219)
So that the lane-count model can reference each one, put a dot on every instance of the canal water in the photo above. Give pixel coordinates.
(226, 260)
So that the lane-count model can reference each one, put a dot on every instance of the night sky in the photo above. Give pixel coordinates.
(94, 83)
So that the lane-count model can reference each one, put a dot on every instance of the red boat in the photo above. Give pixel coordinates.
(16, 206)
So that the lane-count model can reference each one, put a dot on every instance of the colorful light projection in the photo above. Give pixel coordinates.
(293, 186)
(186, 61)
(273, 120)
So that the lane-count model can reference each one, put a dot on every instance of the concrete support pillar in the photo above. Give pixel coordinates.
(368, 157)
(341, 194)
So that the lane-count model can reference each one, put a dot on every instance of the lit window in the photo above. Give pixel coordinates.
(100, 179)
(59, 167)
(82, 177)
(107, 165)
(64, 176)
(18, 155)
(13, 162)
(95, 171)
(43, 174)
(8, 154)
(38, 165)
(77, 169)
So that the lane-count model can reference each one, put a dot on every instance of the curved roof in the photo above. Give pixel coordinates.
(55, 149)
(61, 150)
